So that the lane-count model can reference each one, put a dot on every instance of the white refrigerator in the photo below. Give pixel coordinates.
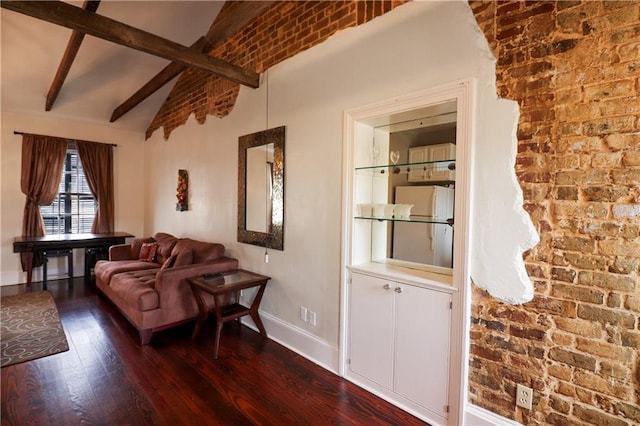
(425, 242)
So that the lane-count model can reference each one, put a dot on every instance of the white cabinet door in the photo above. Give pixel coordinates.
(371, 328)
(423, 324)
(442, 152)
(432, 172)
(399, 339)
(418, 155)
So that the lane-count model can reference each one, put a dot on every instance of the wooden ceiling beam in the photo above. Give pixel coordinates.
(78, 19)
(219, 31)
(67, 59)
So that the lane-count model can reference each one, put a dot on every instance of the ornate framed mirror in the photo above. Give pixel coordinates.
(261, 188)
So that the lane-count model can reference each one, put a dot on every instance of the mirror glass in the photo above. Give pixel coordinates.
(261, 188)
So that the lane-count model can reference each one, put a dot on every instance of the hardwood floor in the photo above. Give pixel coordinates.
(107, 378)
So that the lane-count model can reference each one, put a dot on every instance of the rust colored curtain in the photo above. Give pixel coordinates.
(42, 164)
(97, 162)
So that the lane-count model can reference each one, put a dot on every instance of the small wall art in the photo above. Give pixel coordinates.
(182, 191)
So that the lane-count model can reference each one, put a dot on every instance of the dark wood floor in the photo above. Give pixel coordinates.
(107, 378)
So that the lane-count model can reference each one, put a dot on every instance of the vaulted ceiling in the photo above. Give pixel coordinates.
(103, 75)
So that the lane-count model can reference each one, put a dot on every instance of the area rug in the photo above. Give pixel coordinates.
(30, 328)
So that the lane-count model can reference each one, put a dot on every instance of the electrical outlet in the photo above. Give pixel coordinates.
(303, 313)
(524, 397)
(312, 318)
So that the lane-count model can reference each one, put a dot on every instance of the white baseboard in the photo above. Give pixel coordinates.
(57, 270)
(299, 341)
(15, 277)
(478, 416)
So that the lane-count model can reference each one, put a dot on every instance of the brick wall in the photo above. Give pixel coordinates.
(286, 29)
(574, 69)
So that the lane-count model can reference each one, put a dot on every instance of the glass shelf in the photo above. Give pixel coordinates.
(441, 165)
(411, 219)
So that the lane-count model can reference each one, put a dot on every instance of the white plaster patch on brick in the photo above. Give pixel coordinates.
(481, 40)
(502, 229)
(623, 211)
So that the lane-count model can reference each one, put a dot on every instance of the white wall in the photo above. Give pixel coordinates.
(129, 183)
(416, 46)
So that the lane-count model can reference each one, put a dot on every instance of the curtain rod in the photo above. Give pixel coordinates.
(15, 132)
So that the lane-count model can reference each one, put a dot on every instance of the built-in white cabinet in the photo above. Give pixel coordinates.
(403, 312)
(438, 168)
(399, 342)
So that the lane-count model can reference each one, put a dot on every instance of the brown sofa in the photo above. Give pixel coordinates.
(153, 294)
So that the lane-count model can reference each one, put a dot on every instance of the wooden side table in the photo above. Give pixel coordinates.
(220, 286)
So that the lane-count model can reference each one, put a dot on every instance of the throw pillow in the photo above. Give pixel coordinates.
(148, 252)
(136, 245)
(168, 263)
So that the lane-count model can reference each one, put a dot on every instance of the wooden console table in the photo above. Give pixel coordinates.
(31, 245)
(224, 285)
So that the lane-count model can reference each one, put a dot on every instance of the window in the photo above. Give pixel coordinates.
(74, 208)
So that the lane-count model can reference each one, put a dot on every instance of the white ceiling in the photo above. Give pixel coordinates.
(103, 74)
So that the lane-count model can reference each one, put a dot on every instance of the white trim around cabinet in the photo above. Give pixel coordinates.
(463, 92)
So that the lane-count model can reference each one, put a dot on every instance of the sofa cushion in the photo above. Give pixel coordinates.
(184, 257)
(148, 252)
(166, 242)
(136, 288)
(202, 251)
(168, 263)
(106, 269)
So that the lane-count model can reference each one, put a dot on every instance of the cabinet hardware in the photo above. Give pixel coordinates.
(386, 287)
(398, 290)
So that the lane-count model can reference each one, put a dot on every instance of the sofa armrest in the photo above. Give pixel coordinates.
(120, 252)
(171, 282)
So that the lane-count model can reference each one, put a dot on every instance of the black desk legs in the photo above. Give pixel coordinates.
(97, 244)
(91, 256)
(29, 254)
(57, 253)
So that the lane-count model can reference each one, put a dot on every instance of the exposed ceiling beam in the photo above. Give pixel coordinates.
(67, 59)
(78, 19)
(220, 30)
